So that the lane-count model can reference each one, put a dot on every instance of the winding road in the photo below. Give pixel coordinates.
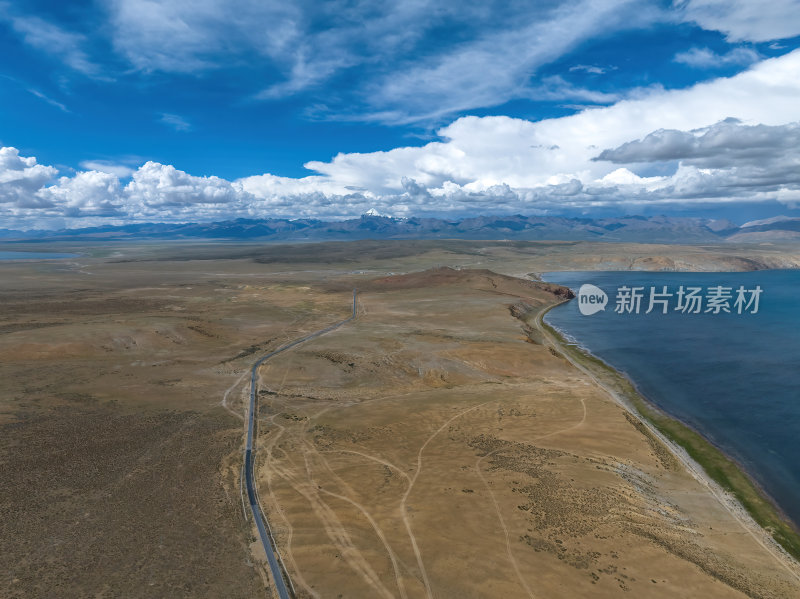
(279, 574)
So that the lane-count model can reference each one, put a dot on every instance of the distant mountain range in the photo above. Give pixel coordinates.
(657, 229)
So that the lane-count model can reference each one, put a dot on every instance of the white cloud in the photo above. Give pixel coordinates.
(731, 139)
(704, 58)
(157, 186)
(495, 150)
(497, 67)
(404, 65)
(48, 99)
(407, 70)
(21, 178)
(724, 144)
(175, 121)
(556, 88)
(272, 187)
(745, 20)
(181, 36)
(623, 176)
(88, 193)
(104, 166)
(167, 36)
(589, 68)
(49, 38)
(531, 157)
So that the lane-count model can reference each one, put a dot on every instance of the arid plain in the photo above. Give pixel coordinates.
(436, 446)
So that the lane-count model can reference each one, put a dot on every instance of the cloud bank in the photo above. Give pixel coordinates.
(744, 20)
(728, 140)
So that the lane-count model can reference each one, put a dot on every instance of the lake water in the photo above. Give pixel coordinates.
(734, 377)
(34, 256)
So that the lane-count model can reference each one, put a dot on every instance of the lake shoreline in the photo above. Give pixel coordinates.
(714, 463)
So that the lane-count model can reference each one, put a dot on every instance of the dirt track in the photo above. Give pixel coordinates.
(123, 467)
(432, 450)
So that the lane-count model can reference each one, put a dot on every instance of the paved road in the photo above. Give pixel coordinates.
(250, 453)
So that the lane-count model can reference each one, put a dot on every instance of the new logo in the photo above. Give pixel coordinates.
(591, 299)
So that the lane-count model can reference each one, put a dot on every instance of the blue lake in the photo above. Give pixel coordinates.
(734, 377)
(34, 256)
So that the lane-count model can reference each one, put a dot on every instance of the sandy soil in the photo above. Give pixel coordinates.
(431, 450)
(120, 466)
(434, 447)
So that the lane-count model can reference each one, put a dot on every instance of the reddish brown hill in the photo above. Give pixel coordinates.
(482, 279)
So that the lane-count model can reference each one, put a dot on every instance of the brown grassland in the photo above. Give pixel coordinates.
(437, 446)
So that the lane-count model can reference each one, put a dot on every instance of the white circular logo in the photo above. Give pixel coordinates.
(591, 299)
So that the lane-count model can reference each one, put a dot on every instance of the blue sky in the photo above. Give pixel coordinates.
(130, 110)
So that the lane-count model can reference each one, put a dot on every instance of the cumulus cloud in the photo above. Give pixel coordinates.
(155, 187)
(548, 165)
(704, 58)
(728, 159)
(728, 140)
(88, 193)
(272, 187)
(30, 191)
(20, 179)
(745, 20)
(724, 144)
(523, 154)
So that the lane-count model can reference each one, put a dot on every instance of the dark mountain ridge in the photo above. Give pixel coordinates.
(656, 229)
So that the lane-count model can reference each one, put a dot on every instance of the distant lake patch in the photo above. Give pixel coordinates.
(35, 256)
